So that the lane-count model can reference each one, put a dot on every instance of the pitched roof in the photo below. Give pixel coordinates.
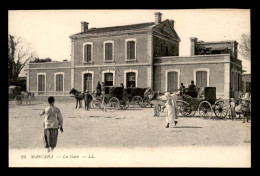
(117, 28)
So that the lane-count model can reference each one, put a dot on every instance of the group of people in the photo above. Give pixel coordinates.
(191, 88)
(243, 106)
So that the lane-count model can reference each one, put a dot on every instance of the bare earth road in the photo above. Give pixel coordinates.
(126, 138)
(134, 127)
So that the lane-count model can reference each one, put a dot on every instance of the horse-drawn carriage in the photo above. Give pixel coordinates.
(17, 96)
(202, 100)
(122, 97)
(137, 96)
(115, 98)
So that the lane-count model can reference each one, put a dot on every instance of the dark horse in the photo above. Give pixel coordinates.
(78, 95)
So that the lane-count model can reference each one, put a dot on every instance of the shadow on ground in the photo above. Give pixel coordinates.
(187, 127)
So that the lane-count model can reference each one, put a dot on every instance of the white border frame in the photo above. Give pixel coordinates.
(55, 74)
(82, 80)
(166, 76)
(87, 43)
(127, 40)
(109, 71)
(113, 50)
(201, 69)
(136, 76)
(45, 87)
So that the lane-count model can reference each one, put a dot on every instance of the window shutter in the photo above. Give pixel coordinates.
(201, 79)
(198, 79)
(85, 53)
(172, 81)
(175, 80)
(39, 83)
(61, 82)
(108, 51)
(128, 50)
(204, 79)
(89, 53)
(132, 50)
(43, 83)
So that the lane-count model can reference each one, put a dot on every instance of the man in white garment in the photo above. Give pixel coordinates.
(171, 109)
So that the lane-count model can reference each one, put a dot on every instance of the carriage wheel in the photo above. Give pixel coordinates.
(137, 101)
(146, 102)
(18, 100)
(205, 109)
(185, 108)
(114, 103)
(124, 103)
(220, 109)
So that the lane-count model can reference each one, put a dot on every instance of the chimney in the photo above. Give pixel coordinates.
(158, 17)
(172, 23)
(193, 41)
(84, 26)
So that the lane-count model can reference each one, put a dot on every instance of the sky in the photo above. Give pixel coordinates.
(48, 31)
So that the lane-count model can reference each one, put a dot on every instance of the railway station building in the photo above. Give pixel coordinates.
(144, 55)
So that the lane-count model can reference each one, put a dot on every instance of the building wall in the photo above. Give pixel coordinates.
(119, 73)
(187, 67)
(119, 49)
(49, 70)
(173, 47)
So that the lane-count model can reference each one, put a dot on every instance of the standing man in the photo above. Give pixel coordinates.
(171, 109)
(52, 122)
(181, 89)
(98, 88)
(88, 98)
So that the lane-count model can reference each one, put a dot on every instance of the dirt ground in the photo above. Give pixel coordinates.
(134, 127)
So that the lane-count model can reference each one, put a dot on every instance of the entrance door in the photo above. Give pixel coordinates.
(131, 79)
(108, 79)
(172, 81)
(88, 82)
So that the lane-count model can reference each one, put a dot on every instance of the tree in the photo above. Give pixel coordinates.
(245, 46)
(19, 53)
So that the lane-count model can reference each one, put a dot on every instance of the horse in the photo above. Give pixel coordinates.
(157, 98)
(78, 95)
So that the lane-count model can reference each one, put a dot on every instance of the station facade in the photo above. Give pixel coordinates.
(138, 55)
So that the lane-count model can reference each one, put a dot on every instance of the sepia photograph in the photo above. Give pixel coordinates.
(129, 88)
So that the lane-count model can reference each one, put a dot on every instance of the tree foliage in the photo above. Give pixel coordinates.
(19, 53)
(39, 60)
(245, 46)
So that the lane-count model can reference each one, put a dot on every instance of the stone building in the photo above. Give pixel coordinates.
(144, 55)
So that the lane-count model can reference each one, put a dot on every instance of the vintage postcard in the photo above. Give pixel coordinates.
(129, 88)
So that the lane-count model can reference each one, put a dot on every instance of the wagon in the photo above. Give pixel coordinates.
(136, 96)
(202, 100)
(116, 98)
(17, 96)
(14, 94)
